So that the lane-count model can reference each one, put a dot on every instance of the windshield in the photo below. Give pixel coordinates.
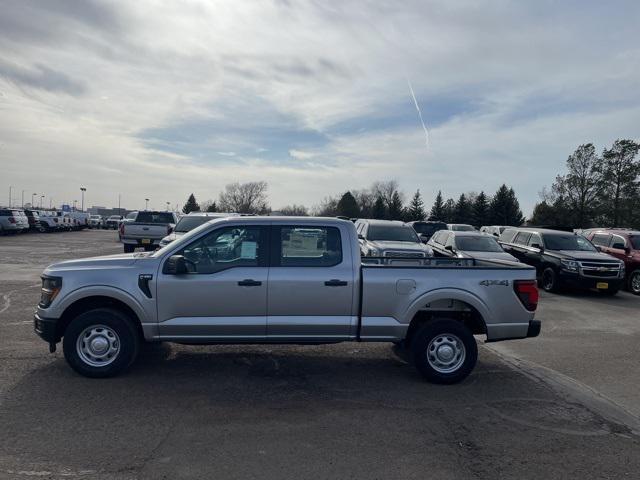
(428, 228)
(154, 217)
(392, 233)
(569, 241)
(187, 223)
(477, 243)
(635, 241)
(462, 228)
(182, 240)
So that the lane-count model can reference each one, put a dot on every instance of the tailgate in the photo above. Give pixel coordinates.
(140, 231)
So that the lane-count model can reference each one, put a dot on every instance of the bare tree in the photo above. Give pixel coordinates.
(248, 197)
(327, 208)
(294, 211)
(386, 190)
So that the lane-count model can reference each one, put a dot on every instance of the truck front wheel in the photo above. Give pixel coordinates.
(100, 343)
(444, 351)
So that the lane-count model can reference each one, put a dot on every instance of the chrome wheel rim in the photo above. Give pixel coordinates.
(98, 345)
(635, 283)
(446, 353)
(547, 281)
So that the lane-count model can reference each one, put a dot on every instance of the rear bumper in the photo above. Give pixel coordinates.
(513, 331)
(139, 242)
(534, 328)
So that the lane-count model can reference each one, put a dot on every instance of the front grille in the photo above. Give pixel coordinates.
(401, 254)
(600, 269)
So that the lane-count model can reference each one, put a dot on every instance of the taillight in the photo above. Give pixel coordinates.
(527, 292)
(122, 229)
(12, 220)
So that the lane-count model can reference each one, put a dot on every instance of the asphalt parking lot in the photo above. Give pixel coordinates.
(564, 405)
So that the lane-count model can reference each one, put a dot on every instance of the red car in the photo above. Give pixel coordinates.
(625, 245)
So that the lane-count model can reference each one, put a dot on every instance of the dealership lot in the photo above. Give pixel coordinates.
(564, 404)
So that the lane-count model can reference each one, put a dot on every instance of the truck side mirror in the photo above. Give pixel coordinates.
(175, 265)
(424, 238)
(360, 236)
(536, 245)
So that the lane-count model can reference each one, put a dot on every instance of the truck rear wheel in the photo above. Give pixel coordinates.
(100, 343)
(444, 351)
(550, 280)
(129, 248)
(634, 282)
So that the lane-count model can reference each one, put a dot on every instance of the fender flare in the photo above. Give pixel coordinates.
(448, 294)
(103, 291)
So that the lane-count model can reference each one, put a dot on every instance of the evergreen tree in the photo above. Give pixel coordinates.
(437, 210)
(348, 207)
(212, 207)
(448, 211)
(395, 210)
(379, 211)
(191, 205)
(463, 212)
(481, 210)
(416, 208)
(621, 172)
(505, 208)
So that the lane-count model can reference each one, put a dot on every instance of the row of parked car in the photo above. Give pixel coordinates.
(17, 220)
(602, 259)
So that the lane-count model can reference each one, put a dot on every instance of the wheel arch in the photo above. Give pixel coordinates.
(455, 304)
(90, 300)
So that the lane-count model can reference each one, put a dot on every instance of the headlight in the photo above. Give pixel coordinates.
(570, 265)
(50, 288)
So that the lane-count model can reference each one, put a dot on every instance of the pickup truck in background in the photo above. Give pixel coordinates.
(146, 230)
(287, 280)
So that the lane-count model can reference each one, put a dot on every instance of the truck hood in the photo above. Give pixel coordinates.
(172, 236)
(581, 255)
(407, 246)
(107, 261)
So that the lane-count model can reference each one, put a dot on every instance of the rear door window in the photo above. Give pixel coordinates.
(308, 246)
(535, 239)
(617, 242)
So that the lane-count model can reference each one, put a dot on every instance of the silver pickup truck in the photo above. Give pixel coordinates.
(281, 280)
(146, 230)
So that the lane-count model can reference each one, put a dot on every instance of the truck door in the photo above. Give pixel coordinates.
(311, 284)
(617, 247)
(224, 294)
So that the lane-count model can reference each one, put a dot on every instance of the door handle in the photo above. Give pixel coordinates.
(336, 283)
(247, 282)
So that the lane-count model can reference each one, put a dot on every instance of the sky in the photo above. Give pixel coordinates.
(160, 99)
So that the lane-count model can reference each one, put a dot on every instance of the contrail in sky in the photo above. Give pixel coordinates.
(424, 127)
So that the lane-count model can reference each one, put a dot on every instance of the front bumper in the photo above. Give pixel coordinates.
(46, 328)
(575, 280)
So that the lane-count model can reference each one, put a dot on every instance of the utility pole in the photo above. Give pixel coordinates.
(10, 188)
(82, 189)
(41, 198)
(22, 198)
(50, 201)
(168, 203)
(33, 205)
(119, 213)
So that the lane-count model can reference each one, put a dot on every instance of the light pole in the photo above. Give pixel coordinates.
(22, 198)
(82, 189)
(119, 205)
(41, 198)
(168, 203)
(74, 205)
(10, 188)
(146, 204)
(33, 205)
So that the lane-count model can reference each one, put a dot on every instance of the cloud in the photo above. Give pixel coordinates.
(150, 99)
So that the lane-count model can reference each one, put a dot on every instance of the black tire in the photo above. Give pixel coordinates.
(129, 248)
(126, 338)
(549, 281)
(424, 351)
(634, 282)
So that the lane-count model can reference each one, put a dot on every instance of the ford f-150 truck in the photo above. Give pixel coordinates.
(146, 230)
(281, 280)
